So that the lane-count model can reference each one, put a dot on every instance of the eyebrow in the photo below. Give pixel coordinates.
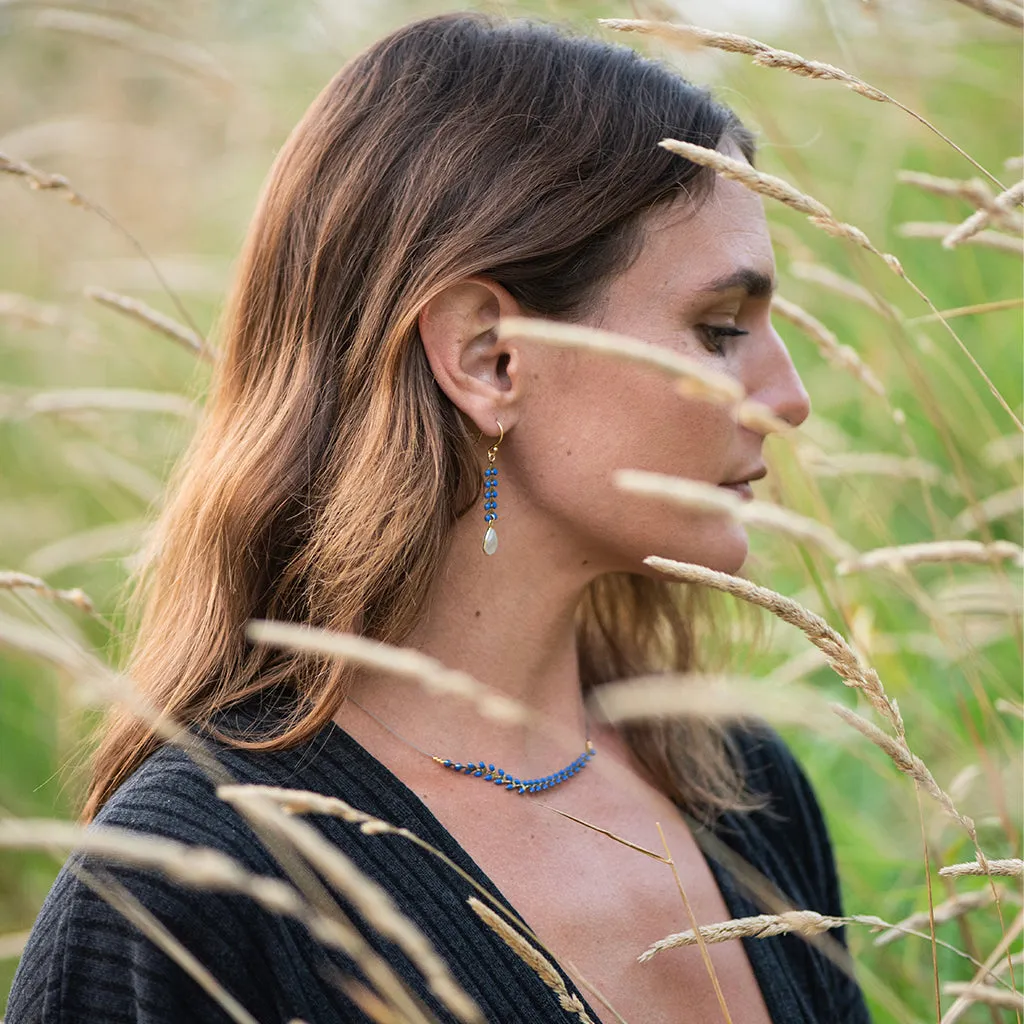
(756, 284)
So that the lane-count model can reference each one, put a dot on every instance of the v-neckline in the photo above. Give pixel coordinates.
(765, 959)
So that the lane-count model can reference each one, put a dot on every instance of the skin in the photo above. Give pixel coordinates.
(570, 419)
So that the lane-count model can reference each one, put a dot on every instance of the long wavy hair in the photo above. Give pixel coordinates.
(328, 466)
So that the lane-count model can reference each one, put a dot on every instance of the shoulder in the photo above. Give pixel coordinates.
(787, 842)
(86, 961)
(786, 837)
(774, 774)
(172, 795)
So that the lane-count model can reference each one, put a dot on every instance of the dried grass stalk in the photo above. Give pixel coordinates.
(369, 1002)
(153, 318)
(711, 498)
(841, 658)
(800, 922)
(899, 467)
(108, 539)
(694, 377)
(295, 801)
(775, 188)
(538, 963)
(899, 558)
(1000, 953)
(973, 191)
(1001, 10)
(17, 580)
(692, 37)
(987, 239)
(12, 944)
(178, 52)
(23, 311)
(838, 283)
(949, 910)
(757, 181)
(704, 953)
(979, 597)
(195, 867)
(972, 310)
(1000, 450)
(986, 994)
(203, 868)
(828, 344)
(708, 697)
(762, 926)
(821, 216)
(767, 56)
(906, 761)
(105, 399)
(154, 930)
(838, 654)
(41, 180)
(1008, 963)
(370, 899)
(298, 801)
(757, 417)
(401, 661)
(1007, 707)
(998, 211)
(1011, 867)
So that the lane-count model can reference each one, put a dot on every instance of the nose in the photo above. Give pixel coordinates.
(778, 385)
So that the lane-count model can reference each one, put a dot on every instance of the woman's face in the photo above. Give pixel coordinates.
(589, 415)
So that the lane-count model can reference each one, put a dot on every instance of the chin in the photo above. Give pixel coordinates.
(724, 550)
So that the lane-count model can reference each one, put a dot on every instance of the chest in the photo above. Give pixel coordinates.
(597, 904)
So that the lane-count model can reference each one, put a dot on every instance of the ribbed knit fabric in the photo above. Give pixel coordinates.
(85, 964)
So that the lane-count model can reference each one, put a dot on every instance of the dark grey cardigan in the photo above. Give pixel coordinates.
(85, 963)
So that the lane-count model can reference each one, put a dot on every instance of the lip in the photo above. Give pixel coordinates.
(742, 486)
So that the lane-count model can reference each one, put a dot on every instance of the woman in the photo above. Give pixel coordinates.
(462, 171)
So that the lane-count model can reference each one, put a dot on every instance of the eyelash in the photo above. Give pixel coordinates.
(713, 336)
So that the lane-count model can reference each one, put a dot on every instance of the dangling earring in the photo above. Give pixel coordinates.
(491, 496)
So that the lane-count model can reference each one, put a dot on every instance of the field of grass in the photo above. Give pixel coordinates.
(167, 121)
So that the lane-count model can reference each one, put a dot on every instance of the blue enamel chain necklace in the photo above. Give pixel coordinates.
(497, 776)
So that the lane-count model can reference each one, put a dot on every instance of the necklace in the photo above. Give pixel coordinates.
(487, 772)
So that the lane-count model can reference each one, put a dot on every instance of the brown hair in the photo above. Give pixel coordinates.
(458, 145)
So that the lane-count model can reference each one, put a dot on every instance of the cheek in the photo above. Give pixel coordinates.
(620, 421)
(649, 425)
(615, 418)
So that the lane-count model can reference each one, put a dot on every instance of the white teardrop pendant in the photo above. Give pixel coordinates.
(490, 541)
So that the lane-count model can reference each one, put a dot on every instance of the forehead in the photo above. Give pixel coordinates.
(725, 234)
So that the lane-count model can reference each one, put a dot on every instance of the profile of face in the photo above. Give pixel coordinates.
(701, 286)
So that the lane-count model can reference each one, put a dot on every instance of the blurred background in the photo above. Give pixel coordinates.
(168, 117)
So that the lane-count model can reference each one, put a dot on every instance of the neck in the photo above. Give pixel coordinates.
(508, 620)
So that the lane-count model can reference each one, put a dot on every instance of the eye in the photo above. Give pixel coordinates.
(713, 334)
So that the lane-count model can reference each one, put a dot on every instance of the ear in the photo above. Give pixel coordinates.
(480, 374)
